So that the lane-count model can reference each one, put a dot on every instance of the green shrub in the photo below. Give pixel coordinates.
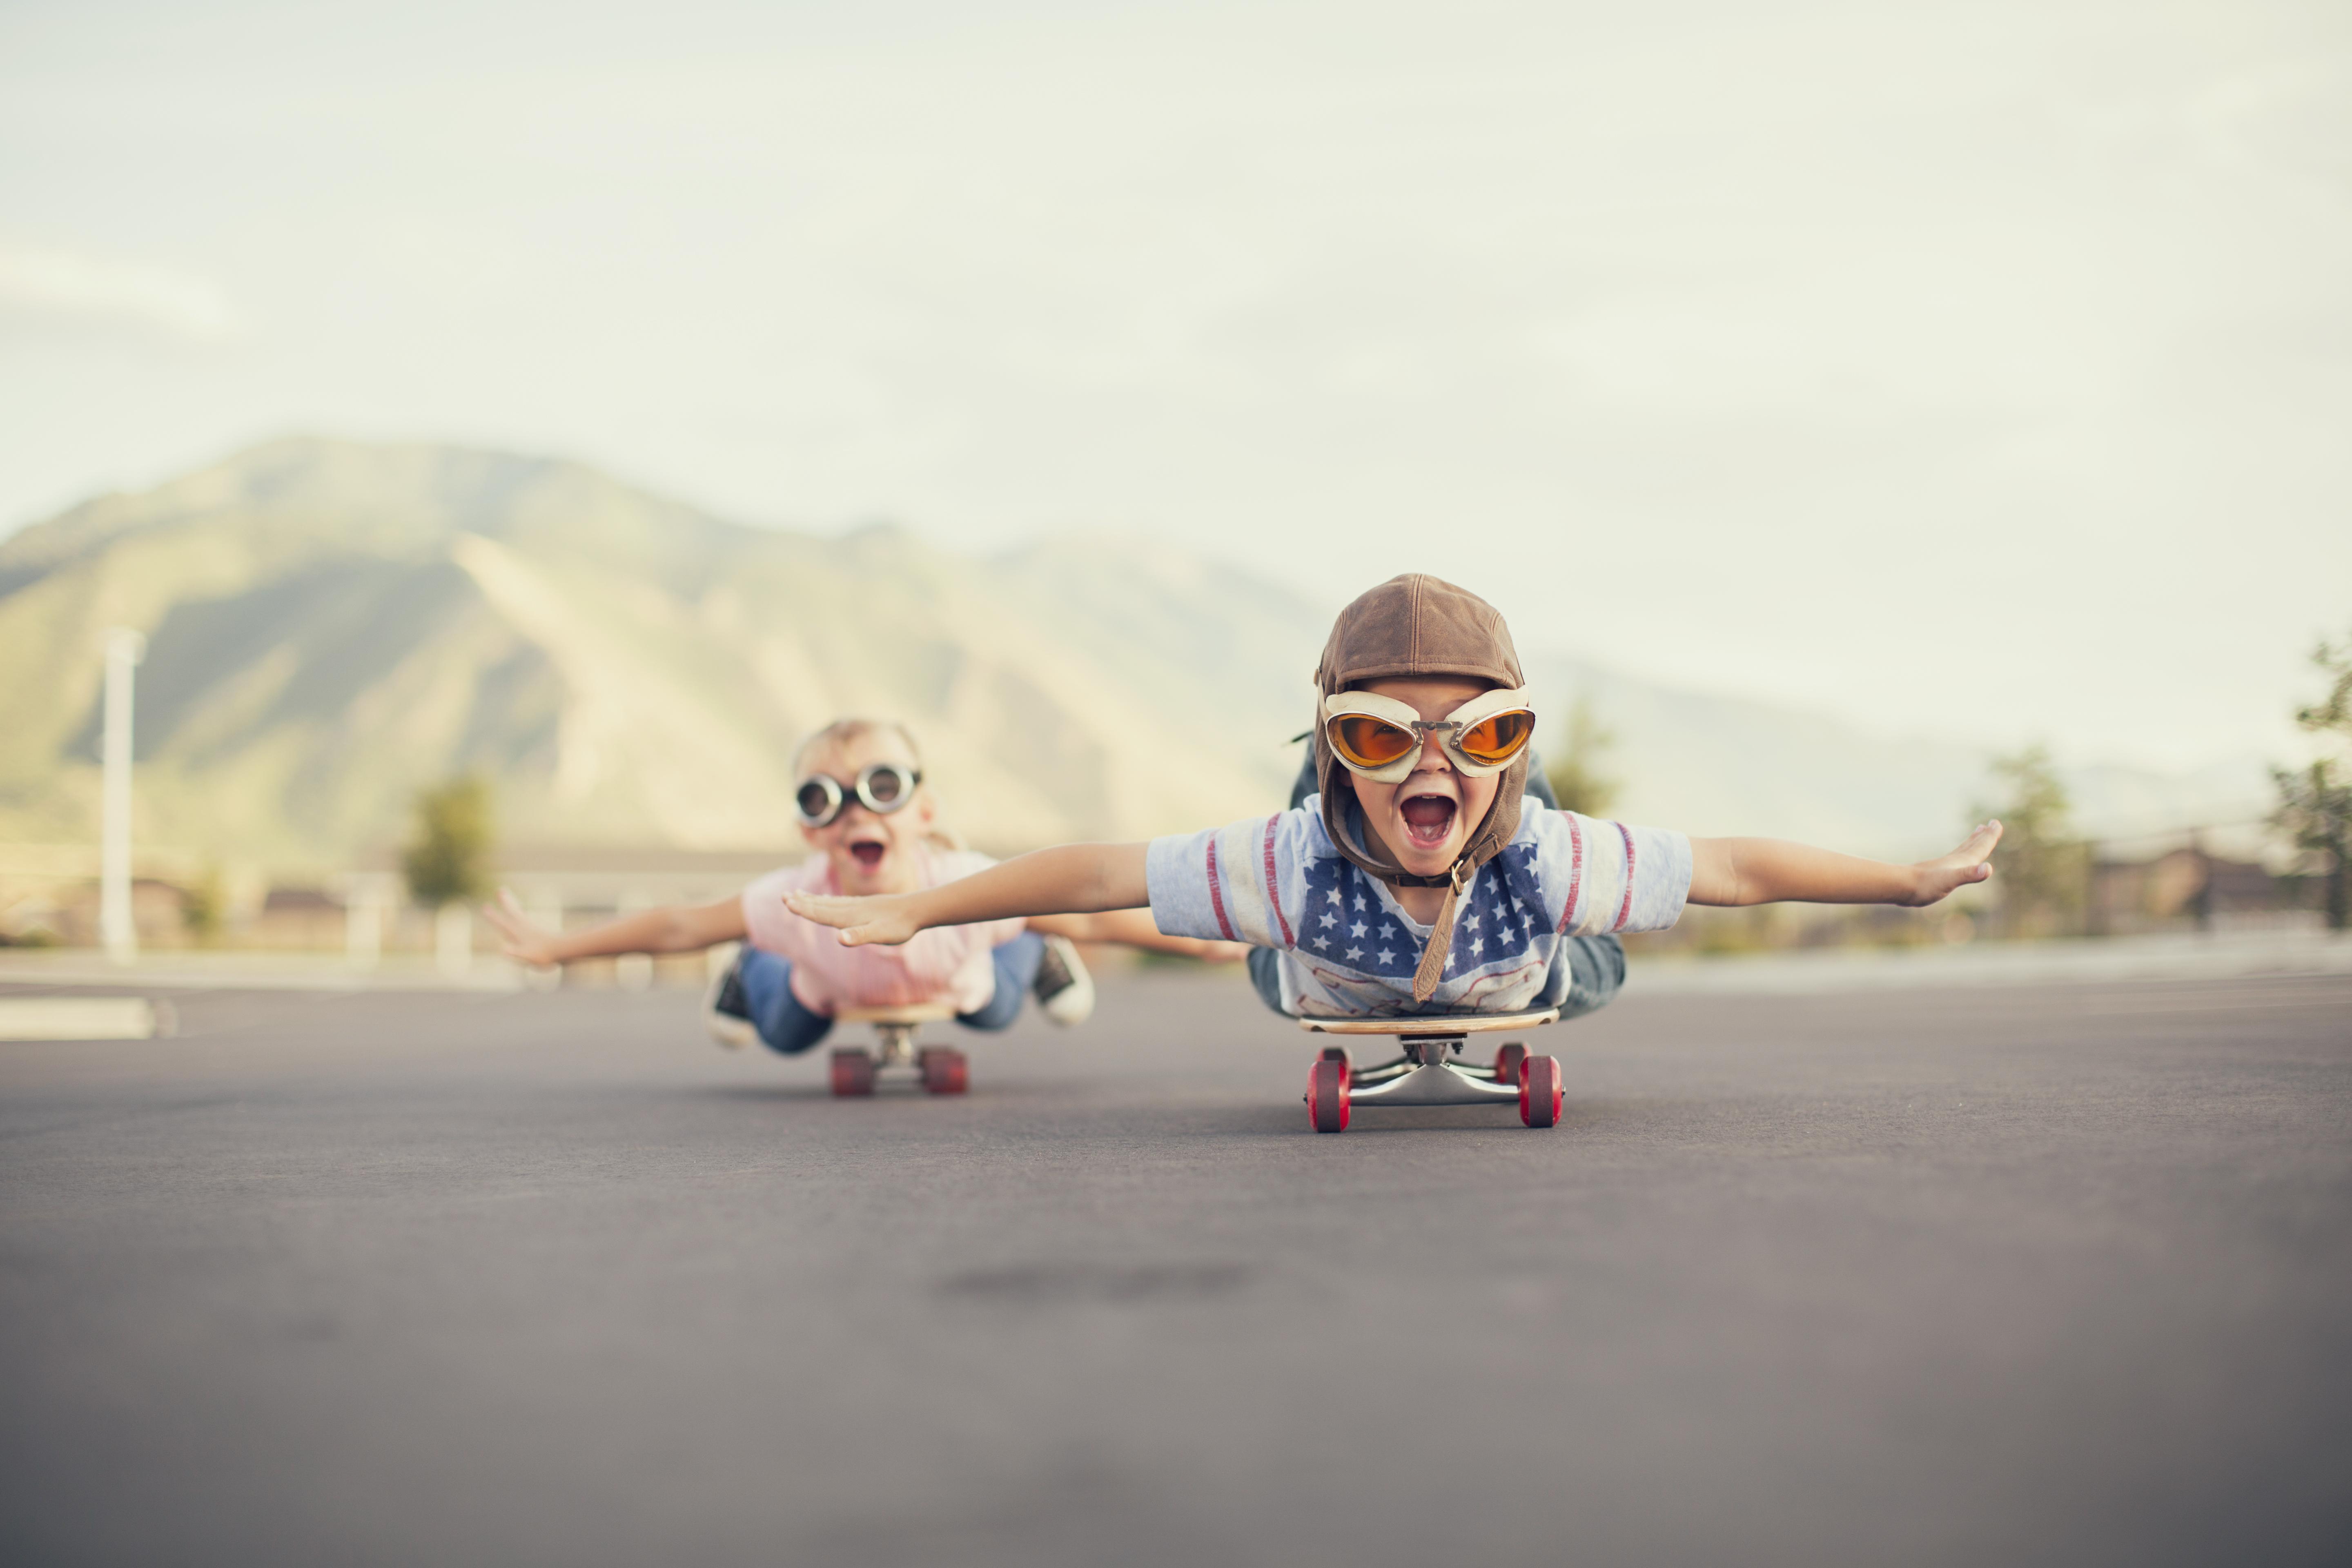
(447, 858)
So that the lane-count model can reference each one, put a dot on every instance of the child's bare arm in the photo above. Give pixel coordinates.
(678, 927)
(1135, 928)
(1774, 870)
(1073, 879)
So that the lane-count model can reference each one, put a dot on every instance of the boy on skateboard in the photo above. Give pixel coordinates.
(1416, 879)
(874, 823)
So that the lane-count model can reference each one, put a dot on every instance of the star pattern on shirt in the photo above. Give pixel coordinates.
(1346, 913)
(1499, 921)
(1494, 924)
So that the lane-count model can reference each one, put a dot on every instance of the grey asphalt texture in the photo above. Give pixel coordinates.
(2037, 1275)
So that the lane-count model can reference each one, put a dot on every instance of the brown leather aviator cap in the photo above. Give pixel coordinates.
(1418, 625)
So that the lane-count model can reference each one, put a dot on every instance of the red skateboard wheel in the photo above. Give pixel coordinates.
(944, 1070)
(1327, 1095)
(853, 1072)
(1510, 1062)
(1539, 1091)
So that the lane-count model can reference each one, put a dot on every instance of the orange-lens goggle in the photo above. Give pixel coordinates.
(1380, 737)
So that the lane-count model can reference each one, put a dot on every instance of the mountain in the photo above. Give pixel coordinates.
(333, 625)
(1712, 764)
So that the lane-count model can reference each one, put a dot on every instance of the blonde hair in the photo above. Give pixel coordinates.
(842, 731)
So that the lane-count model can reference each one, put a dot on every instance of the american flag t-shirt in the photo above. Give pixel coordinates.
(1350, 950)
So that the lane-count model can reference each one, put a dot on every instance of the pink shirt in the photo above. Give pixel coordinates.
(945, 964)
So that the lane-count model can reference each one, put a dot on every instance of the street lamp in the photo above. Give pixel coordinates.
(124, 650)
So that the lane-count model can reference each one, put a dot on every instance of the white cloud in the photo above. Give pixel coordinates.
(57, 286)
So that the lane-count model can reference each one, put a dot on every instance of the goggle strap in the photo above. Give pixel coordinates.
(1432, 970)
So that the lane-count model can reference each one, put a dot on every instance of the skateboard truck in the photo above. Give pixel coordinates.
(938, 1068)
(1427, 1074)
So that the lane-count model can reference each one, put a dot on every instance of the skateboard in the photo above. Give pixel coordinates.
(937, 1069)
(1427, 1074)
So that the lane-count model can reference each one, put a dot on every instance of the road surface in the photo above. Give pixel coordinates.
(2051, 1274)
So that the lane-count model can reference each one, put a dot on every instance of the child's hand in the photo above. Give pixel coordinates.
(885, 920)
(518, 939)
(1969, 863)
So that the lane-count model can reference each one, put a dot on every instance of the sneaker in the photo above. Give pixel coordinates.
(1063, 987)
(726, 1012)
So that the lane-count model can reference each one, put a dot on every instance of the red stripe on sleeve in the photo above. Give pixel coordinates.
(1272, 897)
(1625, 905)
(1217, 893)
(1575, 872)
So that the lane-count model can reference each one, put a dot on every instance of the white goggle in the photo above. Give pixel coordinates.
(880, 787)
(1380, 738)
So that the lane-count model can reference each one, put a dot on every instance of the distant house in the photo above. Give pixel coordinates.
(2187, 887)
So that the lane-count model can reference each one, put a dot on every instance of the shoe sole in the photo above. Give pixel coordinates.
(1075, 1003)
(736, 1034)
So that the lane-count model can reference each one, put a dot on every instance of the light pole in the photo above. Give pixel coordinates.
(124, 650)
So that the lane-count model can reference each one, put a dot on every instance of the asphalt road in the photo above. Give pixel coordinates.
(2041, 1275)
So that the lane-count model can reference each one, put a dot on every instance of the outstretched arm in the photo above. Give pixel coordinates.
(678, 927)
(1774, 870)
(1135, 928)
(1073, 879)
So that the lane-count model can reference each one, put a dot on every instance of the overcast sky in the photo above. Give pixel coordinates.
(1981, 369)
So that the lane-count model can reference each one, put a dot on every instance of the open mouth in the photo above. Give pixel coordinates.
(867, 853)
(1428, 819)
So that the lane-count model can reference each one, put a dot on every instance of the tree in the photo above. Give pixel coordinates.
(2039, 870)
(203, 905)
(447, 860)
(2315, 808)
(1574, 770)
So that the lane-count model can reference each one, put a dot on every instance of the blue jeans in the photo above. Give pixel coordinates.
(787, 1028)
(1596, 964)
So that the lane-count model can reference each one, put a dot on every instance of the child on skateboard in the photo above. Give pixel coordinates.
(864, 807)
(1416, 879)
